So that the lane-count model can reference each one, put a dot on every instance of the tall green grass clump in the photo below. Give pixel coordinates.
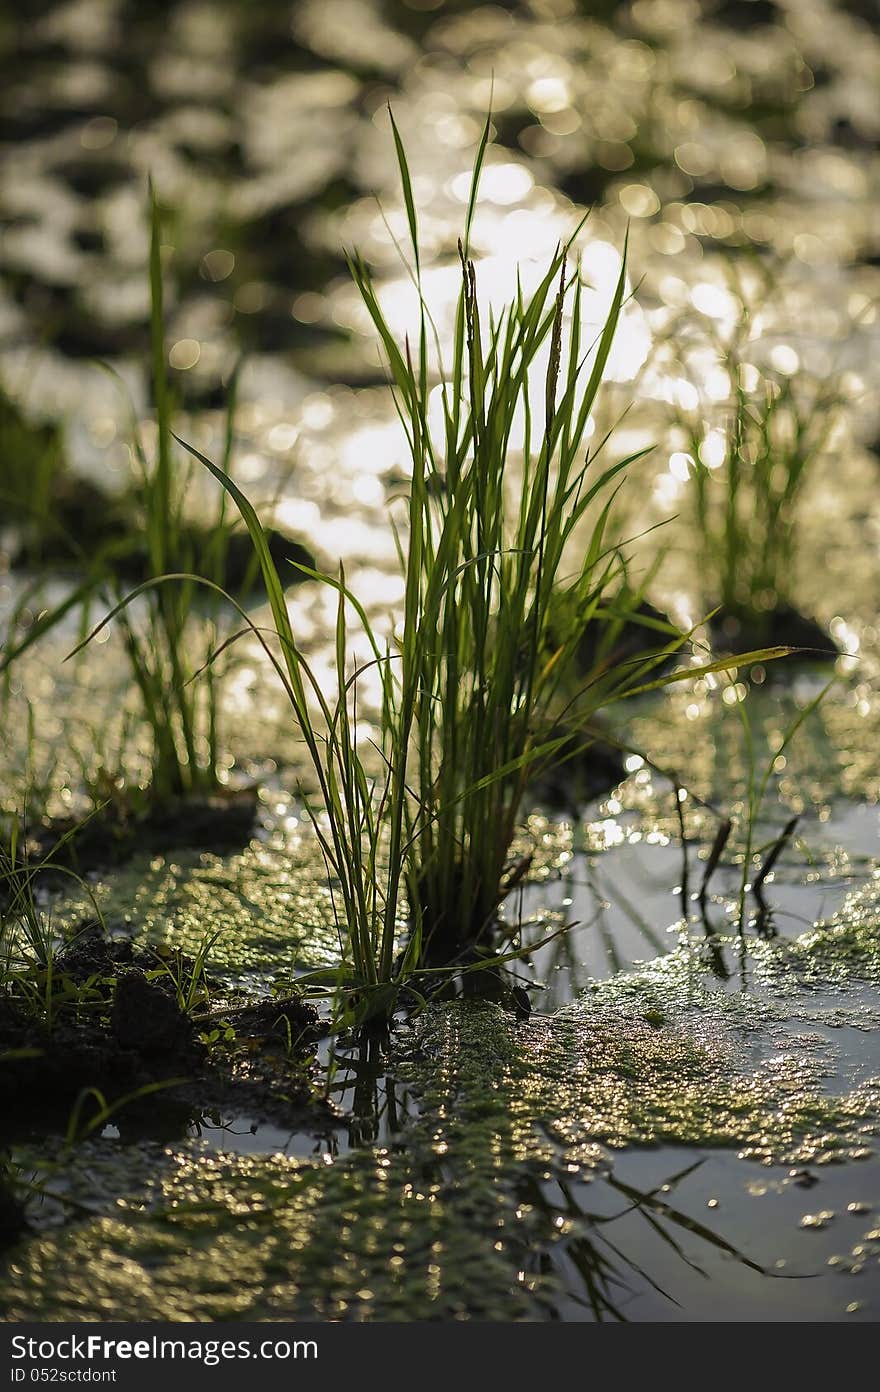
(166, 638)
(158, 649)
(471, 682)
(471, 704)
(752, 455)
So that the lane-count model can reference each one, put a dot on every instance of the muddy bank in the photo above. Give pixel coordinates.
(123, 828)
(149, 1030)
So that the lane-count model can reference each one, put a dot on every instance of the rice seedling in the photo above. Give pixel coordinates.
(470, 685)
(187, 978)
(31, 978)
(182, 717)
(166, 639)
(750, 455)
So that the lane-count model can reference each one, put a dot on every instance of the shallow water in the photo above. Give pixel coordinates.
(666, 1121)
(480, 1167)
(550, 1168)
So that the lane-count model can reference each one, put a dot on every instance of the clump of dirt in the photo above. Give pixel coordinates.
(740, 631)
(81, 527)
(146, 1018)
(13, 1216)
(221, 822)
(112, 1017)
(644, 632)
(583, 769)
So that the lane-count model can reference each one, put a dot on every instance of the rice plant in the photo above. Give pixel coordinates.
(157, 650)
(165, 639)
(751, 454)
(471, 682)
(479, 670)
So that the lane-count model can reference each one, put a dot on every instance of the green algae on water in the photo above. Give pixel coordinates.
(270, 905)
(450, 1219)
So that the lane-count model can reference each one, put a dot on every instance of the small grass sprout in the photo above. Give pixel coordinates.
(31, 976)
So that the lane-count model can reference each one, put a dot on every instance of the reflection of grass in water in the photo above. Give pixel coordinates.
(608, 1272)
(703, 744)
(418, 1243)
(595, 929)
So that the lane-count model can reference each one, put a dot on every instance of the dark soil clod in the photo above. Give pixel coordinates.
(90, 530)
(147, 1018)
(745, 631)
(135, 1033)
(222, 822)
(289, 1018)
(582, 771)
(632, 640)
